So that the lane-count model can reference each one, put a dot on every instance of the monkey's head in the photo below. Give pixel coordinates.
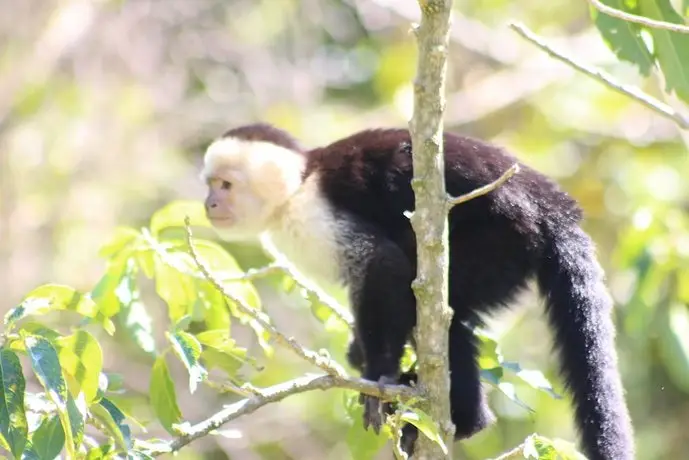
(251, 172)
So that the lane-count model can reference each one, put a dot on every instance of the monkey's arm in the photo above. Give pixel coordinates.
(385, 310)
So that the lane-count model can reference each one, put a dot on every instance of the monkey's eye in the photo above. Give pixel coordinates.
(225, 185)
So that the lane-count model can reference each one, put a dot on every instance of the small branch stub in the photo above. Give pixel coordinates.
(514, 169)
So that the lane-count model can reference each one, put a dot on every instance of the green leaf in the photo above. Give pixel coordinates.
(220, 351)
(82, 358)
(46, 366)
(671, 48)
(146, 258)
(425, 424)
(541, 448)
(104, 293)
(493, 375)
(176, 289)
(115, 381)
(217, 259)
(134, 318)
(508, 389)
(188, 350)
(103, 452)
(173, 215)
(217, 338)
(13, 425)
(674, 344)
(623, 37)
(489, 355)
(111, 418)
(216, 312)
(163, 395)
(36, 328)
(54, 297)
(533, 378)
(48, 440)
(124, 237)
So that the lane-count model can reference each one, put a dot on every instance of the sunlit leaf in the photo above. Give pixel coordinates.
(48, 440)
(408, 359)
(541, 448)
(510, 391)
(674, 344)
(493, 375)
(146, 259)
(163, 395)
(488, 357)
(533, 378)
(122, 238)
(216, 312)
(176, 289)
(220, 351)
(104, 293)
(54, 297)
(624, 37)
(103, 452)
(173, 215)
(46, 366)
(36, 328)
(188, 350)
(13, 425)
(134, 318)
(217, 259)
(425, 424)
(112, 418)
(135, 407)
(671, 48)
(82, 358)
(115, 382)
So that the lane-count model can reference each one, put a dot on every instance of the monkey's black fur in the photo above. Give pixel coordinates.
(526, 229)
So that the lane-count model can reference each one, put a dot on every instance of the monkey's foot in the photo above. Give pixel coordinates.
(374, 408)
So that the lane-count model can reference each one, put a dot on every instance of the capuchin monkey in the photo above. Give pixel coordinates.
(337, 214)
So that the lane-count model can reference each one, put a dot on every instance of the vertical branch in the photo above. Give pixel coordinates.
(429, 222)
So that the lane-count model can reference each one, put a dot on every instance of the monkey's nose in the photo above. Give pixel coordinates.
(211, 204)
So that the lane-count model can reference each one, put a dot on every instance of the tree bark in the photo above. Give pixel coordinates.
(429, 222)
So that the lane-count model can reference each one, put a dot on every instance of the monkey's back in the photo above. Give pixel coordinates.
(369, 174)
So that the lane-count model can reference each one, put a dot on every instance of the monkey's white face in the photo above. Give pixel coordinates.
(247, 182)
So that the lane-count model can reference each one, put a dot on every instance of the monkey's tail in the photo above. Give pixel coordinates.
(579, 310)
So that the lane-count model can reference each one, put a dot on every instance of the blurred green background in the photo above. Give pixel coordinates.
(106, 107)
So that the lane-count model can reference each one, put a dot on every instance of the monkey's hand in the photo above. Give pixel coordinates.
(373, 409)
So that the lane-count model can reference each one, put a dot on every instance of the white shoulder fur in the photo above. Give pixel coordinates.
(305, 232)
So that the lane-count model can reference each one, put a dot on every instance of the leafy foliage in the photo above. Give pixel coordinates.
(79, 392)
(646, 47)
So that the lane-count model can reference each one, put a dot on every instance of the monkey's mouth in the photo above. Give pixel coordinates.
(220, 221)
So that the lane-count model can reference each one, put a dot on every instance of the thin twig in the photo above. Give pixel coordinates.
(628, 90)
(259, 272)
(314, 358)
(454, 201)
(644, 21)
(277, 393)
